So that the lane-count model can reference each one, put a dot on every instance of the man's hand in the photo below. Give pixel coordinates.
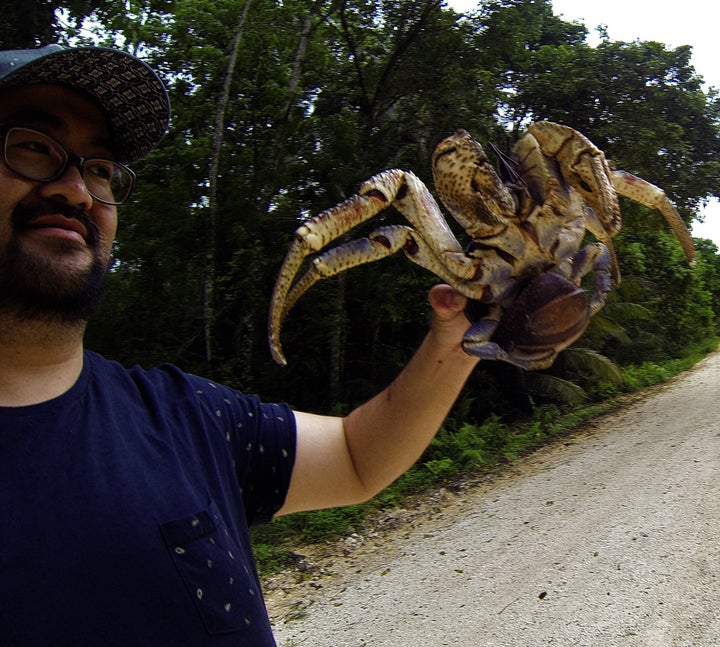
(449, 322)
(346, 460)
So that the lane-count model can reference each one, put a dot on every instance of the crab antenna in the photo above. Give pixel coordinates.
(507, 167)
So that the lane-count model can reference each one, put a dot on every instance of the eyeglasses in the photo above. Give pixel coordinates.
(36, 156)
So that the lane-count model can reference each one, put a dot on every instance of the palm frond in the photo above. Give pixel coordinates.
(623, 310)
(586, 360)
(553, 387)
(608, 328)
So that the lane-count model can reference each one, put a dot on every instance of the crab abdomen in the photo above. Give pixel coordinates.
(551, 312)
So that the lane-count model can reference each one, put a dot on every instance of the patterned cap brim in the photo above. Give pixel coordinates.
(128, 91)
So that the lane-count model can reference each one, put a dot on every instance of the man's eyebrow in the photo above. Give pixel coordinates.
(35, 118)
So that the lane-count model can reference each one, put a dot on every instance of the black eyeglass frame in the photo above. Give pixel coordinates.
(70, 159)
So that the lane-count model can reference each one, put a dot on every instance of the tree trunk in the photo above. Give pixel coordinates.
(282, 126)
(213, 178)
(336, 342)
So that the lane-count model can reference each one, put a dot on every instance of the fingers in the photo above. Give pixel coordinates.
(449, 323)
(446, 302)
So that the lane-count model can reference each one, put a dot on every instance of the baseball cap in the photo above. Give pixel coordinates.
(128, 91)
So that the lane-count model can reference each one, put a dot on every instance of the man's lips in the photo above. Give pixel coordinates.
(58, 226)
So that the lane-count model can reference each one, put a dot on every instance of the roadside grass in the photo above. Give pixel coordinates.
(461, 449)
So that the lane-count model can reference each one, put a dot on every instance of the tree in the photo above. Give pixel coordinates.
(335, 92)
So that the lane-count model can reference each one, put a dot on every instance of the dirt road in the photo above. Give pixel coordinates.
(609, 539)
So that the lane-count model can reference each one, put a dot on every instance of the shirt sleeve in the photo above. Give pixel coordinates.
(262, 440)
(234, 434)
(264, 456)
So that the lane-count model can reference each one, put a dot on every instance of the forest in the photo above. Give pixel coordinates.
(282, 108)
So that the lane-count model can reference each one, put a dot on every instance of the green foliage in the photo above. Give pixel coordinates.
(461, 450)
(323, 95)
(268, 558)
(552, 387)
(647, 374)
(41, 22)
(465, 445)
(333, 93)
(588, 361)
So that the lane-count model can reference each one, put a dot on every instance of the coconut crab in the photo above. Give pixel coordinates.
(525, 259)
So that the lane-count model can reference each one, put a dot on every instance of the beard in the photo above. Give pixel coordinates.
(34, 288)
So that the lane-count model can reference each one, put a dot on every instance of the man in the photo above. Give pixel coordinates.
(126, 495)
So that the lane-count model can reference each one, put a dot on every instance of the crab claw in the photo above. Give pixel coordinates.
(584, 166)
(475, 195)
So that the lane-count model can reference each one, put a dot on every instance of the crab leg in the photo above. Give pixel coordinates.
(596, 258)
(483, 329)
(401, 189)
(313, 235)
(383, 242)
(584, 166)
(379, 244)
(654, 197)
(593, 225)
(491, 351)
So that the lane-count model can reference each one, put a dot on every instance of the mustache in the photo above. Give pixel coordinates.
(25, 212)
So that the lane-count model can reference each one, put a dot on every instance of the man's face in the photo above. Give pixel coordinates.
(55, 240)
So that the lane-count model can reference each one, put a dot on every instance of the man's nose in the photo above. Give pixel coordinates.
(69, 188)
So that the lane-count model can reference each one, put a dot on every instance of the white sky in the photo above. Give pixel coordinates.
(688, 22)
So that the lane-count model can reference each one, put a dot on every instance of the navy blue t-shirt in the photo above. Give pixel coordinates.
(124, 508)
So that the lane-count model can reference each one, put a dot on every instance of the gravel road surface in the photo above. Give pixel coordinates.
(607, 539)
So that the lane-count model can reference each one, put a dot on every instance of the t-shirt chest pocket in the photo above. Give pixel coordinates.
(214, 570)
